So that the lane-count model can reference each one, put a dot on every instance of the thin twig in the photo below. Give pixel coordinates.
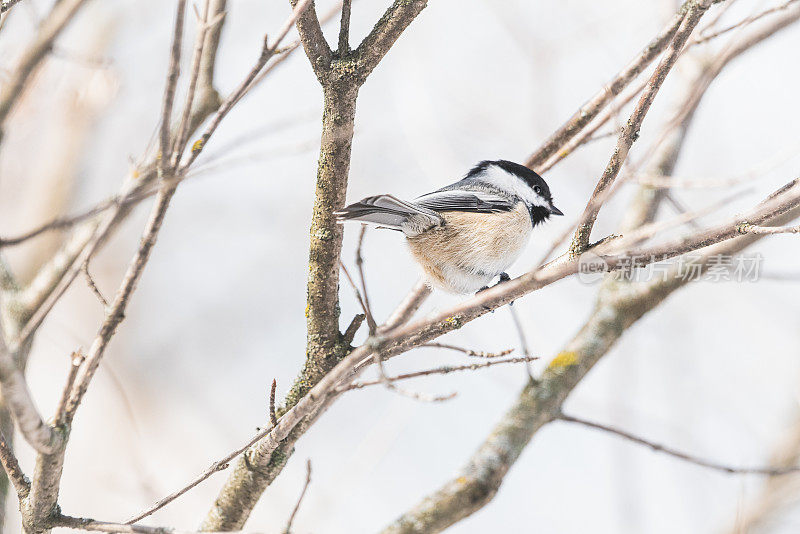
(523, 340)
(92, 525)
(598, 101)
(200, 42)
(389, 383)
(61, 223)
(360, 264)
(288, 528)
(717, 466)
(359, 297)
(352, 328)
(267, 52)
(76, 360)
(116, 312)
(281, 428)
(344, 28)
(282, 54)
(743, 22)
(446, 369)
(272, 417)
(746, 228)
(169, 92)
(630, 132)
(92, 285)
(50, 28)
(407, 308)
(469, 352)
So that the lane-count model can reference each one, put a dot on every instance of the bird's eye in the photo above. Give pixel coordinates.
(537, 189)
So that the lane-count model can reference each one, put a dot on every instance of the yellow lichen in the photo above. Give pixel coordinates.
(563, 360)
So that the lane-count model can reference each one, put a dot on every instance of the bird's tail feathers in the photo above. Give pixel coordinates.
(385, 211)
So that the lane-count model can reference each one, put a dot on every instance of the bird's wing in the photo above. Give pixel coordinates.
(390, 212)
(460, 200)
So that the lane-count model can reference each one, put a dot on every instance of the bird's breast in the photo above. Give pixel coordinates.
(477, 245)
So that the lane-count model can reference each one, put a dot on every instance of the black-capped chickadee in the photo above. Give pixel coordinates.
(469, 232)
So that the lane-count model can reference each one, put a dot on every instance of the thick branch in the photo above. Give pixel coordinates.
(316, 47)
(17, 399)
(325, 344)
(14, 472)
(387, 30)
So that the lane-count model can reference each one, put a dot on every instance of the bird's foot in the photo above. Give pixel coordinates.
(503, 278)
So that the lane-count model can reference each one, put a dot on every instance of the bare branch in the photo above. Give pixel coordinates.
(314, 43)
(344, 28)
(390, 385)
(182, 133)
(267, 52)
(438, 371)
(523, 339)
(268, 438)
(5, 5)
(387, 30)
(288, 528)
(92, 525)
(597, 102)
(408, 307)
(360, 265)
(11, 465)
(273, 418)
(716, 466)
(50, 28)
(744, 22)
(18, 400)
(352, 328)
(631, 130)
(746, 228)
(56, 275)
(169, 93)
(92, 285)
(359, 298)
(468, 352)
(116, 312)
(44, 493)
(76, 361)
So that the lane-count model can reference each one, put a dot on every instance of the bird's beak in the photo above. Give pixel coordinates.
(555, 211)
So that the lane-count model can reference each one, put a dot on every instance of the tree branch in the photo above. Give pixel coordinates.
(386, 31)
(344, 28)
(14, 85)
(631, 130)
(17, 399)
(709, 464)
(288, 528)
(599, 100)
(618, 307)
(316, 47)
(14, 472)
(325, 346)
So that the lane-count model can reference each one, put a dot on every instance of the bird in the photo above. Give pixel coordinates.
(469, 232)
